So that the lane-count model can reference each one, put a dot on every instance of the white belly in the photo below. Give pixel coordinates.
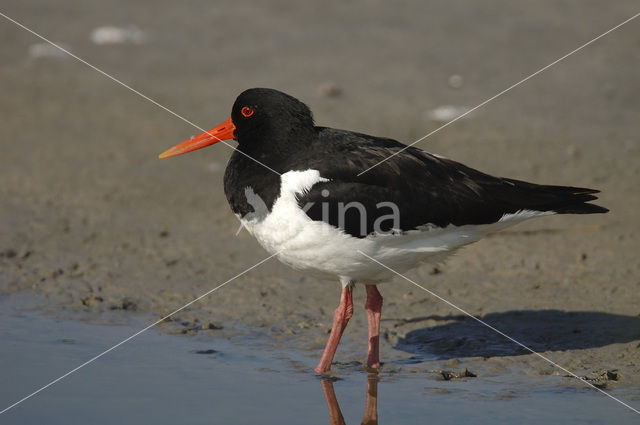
(320, 249)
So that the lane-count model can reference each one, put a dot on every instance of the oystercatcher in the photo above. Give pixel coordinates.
(297, 189)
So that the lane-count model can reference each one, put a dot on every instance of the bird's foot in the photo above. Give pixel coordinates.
(373, 368)
(320, 370)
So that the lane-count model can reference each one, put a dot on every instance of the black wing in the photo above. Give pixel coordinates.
(418, 187)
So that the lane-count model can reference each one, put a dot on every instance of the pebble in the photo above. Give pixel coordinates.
(118, 35)
(601, 378)
(92, 301)
(329, 89)
(449, 375)
(447, 113)
(128, 304)
(455, 81)
(210, 351)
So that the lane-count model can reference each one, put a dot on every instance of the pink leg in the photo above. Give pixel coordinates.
(373, 307)
(341, 317)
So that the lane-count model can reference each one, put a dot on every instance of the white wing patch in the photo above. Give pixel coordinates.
(295, 183)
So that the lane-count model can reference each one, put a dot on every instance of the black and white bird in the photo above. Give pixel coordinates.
(300, 191)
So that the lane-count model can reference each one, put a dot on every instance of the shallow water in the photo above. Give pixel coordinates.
(158, 378)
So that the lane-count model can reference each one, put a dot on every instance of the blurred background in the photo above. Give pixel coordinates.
(92, 222)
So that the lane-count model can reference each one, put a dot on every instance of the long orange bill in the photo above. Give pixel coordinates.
(217, 134)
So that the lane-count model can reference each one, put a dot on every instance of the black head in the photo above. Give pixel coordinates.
(261, 114)
(259, 117)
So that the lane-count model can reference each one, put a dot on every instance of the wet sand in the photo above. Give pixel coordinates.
(92, 222)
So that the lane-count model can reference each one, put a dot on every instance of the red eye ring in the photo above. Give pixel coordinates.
(246, 111)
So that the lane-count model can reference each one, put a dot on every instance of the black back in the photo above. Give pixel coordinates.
(426, 189)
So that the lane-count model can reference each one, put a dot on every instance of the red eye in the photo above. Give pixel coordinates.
(246, 112)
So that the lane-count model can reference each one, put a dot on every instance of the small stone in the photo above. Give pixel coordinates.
(91, 301)
(447, 113)
(455, 81)
(449, 375)
(329, 89)
(612, 375)
(214, 326)
(118, 35)
(128, 304)
(601, 378)
(210, 351)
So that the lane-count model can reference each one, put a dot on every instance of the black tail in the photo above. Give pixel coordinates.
(559, 199)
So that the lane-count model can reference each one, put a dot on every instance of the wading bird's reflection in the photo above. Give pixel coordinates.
(370, 408)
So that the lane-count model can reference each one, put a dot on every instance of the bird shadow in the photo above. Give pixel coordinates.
(540, 330)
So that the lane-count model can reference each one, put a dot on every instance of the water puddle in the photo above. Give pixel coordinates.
(163, 379)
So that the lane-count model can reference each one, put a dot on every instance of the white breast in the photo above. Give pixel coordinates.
(320, 249)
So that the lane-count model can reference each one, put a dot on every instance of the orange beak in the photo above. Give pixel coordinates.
(217, 134)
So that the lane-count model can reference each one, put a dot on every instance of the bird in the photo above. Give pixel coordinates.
(326, 201)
